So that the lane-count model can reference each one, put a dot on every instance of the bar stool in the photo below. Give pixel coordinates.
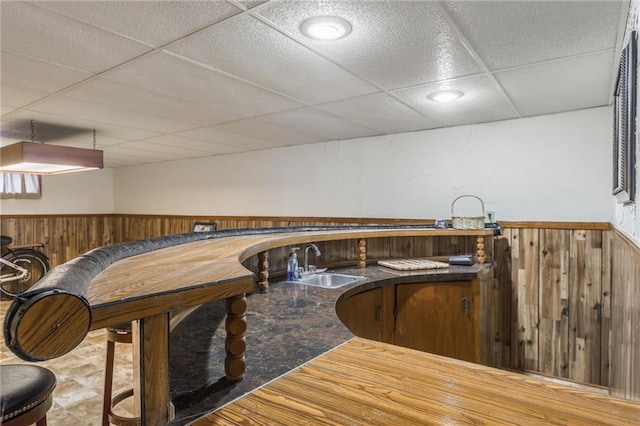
(120, 333)
(27, 394)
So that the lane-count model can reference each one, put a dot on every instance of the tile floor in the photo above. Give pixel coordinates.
(77, 399)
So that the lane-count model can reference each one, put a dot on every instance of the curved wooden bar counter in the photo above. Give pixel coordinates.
(55, 315)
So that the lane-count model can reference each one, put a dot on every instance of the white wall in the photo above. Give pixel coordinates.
(548, 168)
(74, 193)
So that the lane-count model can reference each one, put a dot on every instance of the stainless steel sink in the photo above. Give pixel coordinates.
(327, 280)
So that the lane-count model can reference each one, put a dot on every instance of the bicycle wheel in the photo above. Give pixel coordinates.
(33, 261)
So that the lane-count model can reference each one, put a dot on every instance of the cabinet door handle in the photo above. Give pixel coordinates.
(378, 313)
(465, 305)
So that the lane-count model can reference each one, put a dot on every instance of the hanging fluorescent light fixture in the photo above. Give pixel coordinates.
(41, 159)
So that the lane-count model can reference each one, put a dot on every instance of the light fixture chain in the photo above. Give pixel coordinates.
(94, 139)
(33, 131)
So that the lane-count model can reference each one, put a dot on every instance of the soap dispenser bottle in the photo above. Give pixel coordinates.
(292, 265)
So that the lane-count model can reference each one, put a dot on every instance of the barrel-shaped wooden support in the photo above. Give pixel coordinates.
(362, 253)
(47, 324)
(263, 271)
(480, 249)
(235, 344)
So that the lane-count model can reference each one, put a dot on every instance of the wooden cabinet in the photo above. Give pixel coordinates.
(362, 314)
(437, 317)
(440, 318)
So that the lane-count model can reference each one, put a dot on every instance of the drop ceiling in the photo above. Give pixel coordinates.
(165, 80)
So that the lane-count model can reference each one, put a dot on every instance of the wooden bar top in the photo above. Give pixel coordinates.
(369, 383)
(179, 276)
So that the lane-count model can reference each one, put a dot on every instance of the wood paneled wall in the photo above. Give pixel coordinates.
(624, 317)
(64, 237)
(559, 304)
(568, 294)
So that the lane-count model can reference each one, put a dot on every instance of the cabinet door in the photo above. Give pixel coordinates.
(362, 314)
(440, 318)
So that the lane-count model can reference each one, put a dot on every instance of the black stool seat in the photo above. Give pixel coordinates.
(25, 388)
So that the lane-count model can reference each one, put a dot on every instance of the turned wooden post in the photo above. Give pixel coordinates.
(362, 254)
(480, 250)
(235, 344)
(263, 274)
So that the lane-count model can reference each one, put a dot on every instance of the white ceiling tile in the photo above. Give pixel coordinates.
(153, 22)
(32, 74)
(6, 109)
(210, 148)
(174, 149)
(12, 130)
(481, 102)
(84, 110)
(130, 148)
(169, 74)
(103, 129)
(379, 112)
(114, 160)
(511, 33)
(46, 35)
(312, 120)
(126, 158)
(116, 95)
(19, 96)
(43, 131)
(561, 85)
(259, 128)
(214, 135)
(249, 49)
(249, 4)
(86, 140)
(393, 43)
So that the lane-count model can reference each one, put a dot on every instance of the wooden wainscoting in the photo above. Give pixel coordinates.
(558, 303)
(572, 303)
(623, 314)
(63, 236)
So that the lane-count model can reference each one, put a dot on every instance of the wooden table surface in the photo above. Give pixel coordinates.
(370, 383)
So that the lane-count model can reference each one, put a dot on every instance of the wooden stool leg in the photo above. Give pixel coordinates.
(108, 383)
(42, 421)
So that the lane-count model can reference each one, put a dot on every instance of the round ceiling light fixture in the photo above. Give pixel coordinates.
(325, 27)
(445, 95)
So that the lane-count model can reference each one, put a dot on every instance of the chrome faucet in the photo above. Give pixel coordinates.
(316, 250)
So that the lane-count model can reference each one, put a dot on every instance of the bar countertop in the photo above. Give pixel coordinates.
(288, 326)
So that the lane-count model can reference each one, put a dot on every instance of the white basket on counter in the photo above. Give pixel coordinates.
(467, 222)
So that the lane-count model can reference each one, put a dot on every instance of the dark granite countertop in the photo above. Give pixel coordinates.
(286, 327)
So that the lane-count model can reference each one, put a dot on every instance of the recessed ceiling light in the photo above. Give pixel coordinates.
(445, 95)
(325, 27)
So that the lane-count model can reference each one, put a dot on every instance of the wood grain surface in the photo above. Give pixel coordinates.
(370, 383)
(186, 267)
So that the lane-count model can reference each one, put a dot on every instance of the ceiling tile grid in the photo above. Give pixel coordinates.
(41, 34)
(393, 44)
(184, 79)
(249, 49)
(154, 23)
